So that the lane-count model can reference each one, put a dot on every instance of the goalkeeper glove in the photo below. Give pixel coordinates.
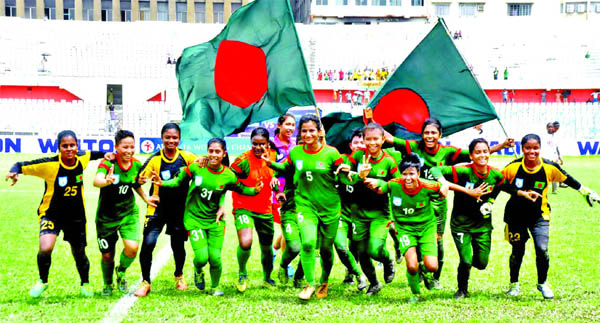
(589, 195)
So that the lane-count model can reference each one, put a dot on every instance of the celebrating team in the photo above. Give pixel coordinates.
(324, 201)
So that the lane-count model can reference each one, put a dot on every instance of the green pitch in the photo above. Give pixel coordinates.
(574, 273)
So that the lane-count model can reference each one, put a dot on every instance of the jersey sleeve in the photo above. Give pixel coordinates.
(402, 145)
(38, 167)
(94, 155)
(284, 167)
(498, 186)
(104, 167)
(448, 172)
(557, 174)
(188, 157)
(184, 174)
(457, 156)
(241, 166)
(237, 186)
(151, 164)
(510, 171)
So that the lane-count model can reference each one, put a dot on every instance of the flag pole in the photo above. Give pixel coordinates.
(506, 134)
(321, 122)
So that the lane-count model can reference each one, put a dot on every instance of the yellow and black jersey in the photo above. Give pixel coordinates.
(171, 198)
(63, 193)
(521, 210)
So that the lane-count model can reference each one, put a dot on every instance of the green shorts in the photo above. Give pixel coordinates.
(289, 226)
(108, 232)
(211, 236)
(376, 228)
(473, 247)
(262, 222)
(425, 240)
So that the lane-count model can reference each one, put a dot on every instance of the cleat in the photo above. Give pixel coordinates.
(180, 283)
(290, 271)
(427, 278)
(268, 284)
(121, 281)
(199, 280)
(546, 291)
(283, 276)
(349, 279)
(435, 284)
(513, 290)
(218, 292)
(398, 257)
(86, 290)
(461, 294)
(414, 299)
(107, 290)
(361, 282)
(298, 283)
(307, 292)
(389, 272)
(143, 290)
(241, 283)
(374, 289)
(37, 289)
(322, 290)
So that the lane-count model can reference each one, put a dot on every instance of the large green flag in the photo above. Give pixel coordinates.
(252, 71)
(433, 81)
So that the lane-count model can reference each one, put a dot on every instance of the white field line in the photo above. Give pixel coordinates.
(119, 310)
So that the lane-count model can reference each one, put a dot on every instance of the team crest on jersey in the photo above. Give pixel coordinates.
(420, 205)
(320, 165)
(469, 185)
(299, 164)
(117, 178)
(165, 174)
(62, 181)
(198, 180)
(397, 201)
(381, 173)
(519, 182)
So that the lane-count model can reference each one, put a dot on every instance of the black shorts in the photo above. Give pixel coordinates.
(73, 231)
(174, 223)
(516, 233)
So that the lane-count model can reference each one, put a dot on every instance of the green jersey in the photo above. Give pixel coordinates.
(206, 193)
(314, 178)
(116, 200)
(443, 155)
(370, 204)
(466, 214)
(413, 211)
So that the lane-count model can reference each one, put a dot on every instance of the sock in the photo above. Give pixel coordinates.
(107, 273)
(178, 247)
(413, 282)
(242, 257)
(124, 262)
(266, 259)
(83, 267)
(44, 260)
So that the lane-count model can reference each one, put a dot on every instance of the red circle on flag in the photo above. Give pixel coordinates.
(404, 107)
(240, 73)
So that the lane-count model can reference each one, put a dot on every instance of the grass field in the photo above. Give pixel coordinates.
(574, 273)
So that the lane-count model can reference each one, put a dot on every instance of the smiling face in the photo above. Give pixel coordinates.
(531, 150)
(170, 139)
(357, 143)
(216, 153)
(411, 178)
(286, 129)
(126, 149)
(373, 141)
(259, 145)
(68, 149)
(431, 135)
(481, 154)
(309, 133)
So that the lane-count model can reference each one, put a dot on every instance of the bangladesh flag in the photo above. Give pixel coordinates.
(539, 185)
(420, 204)
(79, 178)
(252, 71)
(433, 81)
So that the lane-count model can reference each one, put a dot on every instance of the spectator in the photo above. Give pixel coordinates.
(495, 73)
(557, 96)
(348, 97)
(169, 61)
(595, 96)
(543, 95)
(565, 95)
(506, 73)
(505, 96)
